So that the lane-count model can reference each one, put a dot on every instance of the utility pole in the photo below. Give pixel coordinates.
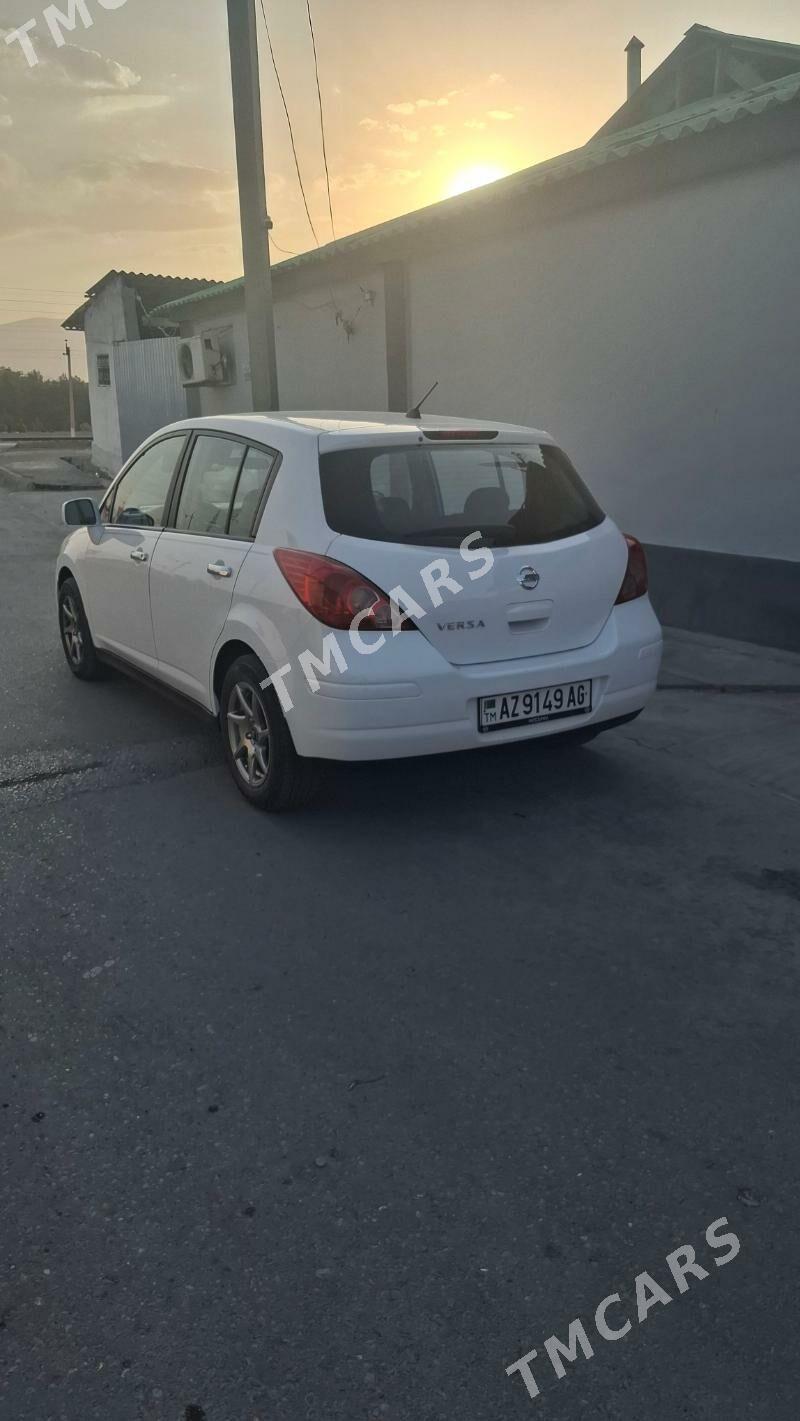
(253, 217)
(71, 392)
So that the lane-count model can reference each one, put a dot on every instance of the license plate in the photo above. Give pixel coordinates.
(531, 707)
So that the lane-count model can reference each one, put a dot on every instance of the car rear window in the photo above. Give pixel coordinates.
(511, 493)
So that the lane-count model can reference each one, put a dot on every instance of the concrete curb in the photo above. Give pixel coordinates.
(13, 482)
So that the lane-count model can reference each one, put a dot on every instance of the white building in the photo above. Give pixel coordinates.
(134, 379)
(633, 296)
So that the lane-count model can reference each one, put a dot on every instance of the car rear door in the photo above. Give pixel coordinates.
(114, 572)
(200, 553)
(553, 563)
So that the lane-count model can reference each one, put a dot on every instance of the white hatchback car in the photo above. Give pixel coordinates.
(360, 586)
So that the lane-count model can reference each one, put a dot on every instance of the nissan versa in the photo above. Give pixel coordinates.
(360, 586)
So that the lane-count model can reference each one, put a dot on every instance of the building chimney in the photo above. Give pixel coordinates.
(633, 49)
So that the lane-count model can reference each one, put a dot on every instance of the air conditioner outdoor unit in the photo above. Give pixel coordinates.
(201, 362)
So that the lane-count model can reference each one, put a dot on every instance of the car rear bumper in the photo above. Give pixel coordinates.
(430, 706)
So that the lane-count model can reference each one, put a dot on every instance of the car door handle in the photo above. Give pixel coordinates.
(139, 555)
(219, 569)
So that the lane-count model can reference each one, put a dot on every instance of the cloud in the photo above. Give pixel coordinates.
(65, 67)
(86, 69)
(496, 78)
(500, 115)
(103, 106)
(409, 106)
(368, 176)
(6, 121)
(438, 130)
(113, 195)
(369, 123)
(359, 178)
(409, 135)
(395, 155)
(401, 177)
(63, 76)
(475, 123)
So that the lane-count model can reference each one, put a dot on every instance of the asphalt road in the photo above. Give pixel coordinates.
(338, 1115)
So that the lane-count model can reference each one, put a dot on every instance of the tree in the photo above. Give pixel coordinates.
(29, 403)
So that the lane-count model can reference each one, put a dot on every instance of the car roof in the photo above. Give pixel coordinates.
(363, 425)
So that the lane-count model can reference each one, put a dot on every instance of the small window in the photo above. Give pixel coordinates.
(209, 484)
(103, 370)
(140, 496)
(249, 490)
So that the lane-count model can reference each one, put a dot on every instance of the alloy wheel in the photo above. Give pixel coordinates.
(248, 734)
(71, 630)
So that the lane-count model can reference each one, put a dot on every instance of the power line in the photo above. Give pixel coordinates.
(30, 305)
(289, 123)
(321, 118)
(20, 337)
(53, 290)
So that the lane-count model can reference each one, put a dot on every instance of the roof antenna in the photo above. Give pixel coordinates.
(415, 411)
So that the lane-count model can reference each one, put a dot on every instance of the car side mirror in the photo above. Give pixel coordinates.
(79, 512)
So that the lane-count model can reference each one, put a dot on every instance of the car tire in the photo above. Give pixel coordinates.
(258, 745)
(76, 638)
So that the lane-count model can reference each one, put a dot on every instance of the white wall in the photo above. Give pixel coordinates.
(659, 343)
(110, 318)
(230, 327)
(319, 365)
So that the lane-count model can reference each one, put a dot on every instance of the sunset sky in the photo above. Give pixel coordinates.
(117, 149)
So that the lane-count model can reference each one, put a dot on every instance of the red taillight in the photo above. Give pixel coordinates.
(634, 583)
(336, 594)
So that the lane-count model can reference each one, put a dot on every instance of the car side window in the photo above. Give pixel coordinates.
(141, 494)
(209, 484)
(249, 490)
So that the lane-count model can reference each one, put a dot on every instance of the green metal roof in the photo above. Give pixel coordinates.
(681, 123)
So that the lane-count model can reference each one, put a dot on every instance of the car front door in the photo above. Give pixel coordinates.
(114, 573)
(200, 552)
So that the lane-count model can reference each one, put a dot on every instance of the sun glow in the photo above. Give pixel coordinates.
(475, 176)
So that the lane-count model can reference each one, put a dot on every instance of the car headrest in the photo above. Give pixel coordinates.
(487, 505)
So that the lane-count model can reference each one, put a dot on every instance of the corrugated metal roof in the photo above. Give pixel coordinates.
(717, 49)
(152, 289)
(667, 128)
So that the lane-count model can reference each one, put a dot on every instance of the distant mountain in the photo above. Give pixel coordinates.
(38, 344)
